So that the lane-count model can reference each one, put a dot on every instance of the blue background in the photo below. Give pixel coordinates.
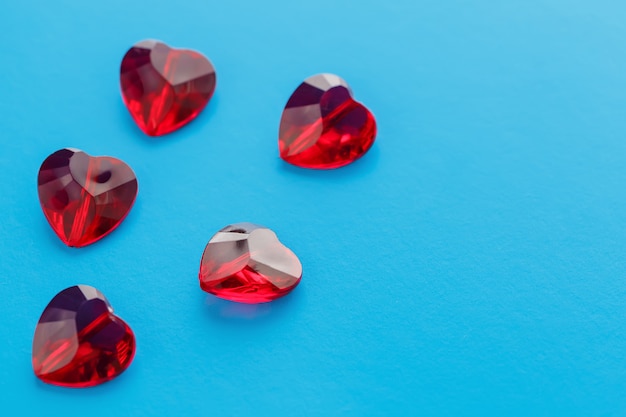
(472, 264)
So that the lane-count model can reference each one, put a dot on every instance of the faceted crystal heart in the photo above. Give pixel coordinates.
(79, 342)
(248, 264)
(323, 127)
(165, 88)
(83, 197)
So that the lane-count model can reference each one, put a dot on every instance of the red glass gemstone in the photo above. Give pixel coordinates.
(165, 88)
(323, 127)
(83, 197)
(248, 264)
(79, 342)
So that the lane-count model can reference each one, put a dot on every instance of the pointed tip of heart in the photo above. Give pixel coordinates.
(323, 127)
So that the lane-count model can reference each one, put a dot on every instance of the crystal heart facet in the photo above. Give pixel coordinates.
(247, 263)
(165, 88)
(79, 342)
(83, 197)
(323, 127)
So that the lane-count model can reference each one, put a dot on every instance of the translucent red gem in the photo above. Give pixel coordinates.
(247, 263)
(79, 342)
(323, 127)
(165, 88)
(83, 197)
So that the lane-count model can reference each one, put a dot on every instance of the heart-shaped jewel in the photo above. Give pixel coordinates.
(165, 88)
(79, 342)
(84, 197)
(247, 263)
(323, 127)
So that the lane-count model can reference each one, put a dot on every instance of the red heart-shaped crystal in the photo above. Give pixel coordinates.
(247, 263)
(79, 342)
(323, 127)
(83, 197)
(165, 88)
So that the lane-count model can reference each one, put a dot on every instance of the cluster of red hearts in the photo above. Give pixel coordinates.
(79, 341)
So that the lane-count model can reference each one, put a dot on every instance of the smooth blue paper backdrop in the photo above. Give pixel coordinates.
(472, 264)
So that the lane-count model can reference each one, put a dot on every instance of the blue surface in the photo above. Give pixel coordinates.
(472, 264)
